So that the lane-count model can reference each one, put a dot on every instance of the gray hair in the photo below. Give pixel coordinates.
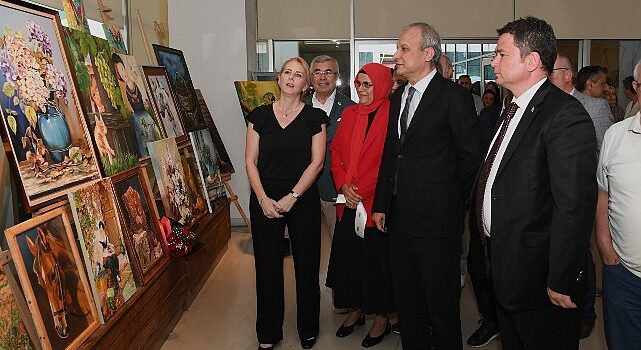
(637, 70)
(431, 38)
(325, 58)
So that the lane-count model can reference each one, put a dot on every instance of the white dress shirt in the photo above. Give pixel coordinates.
(521, 101)
(420, 87)
(327, 106)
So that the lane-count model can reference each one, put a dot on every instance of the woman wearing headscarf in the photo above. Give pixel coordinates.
(359, 268)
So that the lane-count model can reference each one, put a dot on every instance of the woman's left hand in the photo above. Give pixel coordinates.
(286, 203)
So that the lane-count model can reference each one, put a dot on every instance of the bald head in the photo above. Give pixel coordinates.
(562, 74)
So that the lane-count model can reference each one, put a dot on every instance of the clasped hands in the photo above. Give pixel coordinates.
(273, 209)
(351, 197)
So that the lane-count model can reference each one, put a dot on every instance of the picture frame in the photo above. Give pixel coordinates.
(182, 86)
(141, 230)
(252, 94)
(164, 101)
(206, 158)
(15, 318)
(99, 229)
(226, 166)
(62, 307)
(44, 124)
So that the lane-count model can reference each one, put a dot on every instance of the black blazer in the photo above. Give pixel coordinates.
(435, 166)
(543, 202)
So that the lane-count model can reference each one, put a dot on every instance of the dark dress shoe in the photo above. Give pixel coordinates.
(308, 343)
(344, 331)
(370, 341)
(586, 328)
(484, 335)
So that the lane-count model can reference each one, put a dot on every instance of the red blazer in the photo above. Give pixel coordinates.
(370, 158)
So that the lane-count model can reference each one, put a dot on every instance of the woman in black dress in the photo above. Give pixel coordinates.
(284, 155)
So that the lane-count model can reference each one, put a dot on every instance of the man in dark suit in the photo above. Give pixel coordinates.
(432, 152)
(535, 195)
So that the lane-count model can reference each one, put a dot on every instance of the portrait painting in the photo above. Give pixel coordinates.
(226, 167)
(140, 224)
(182, 86)
(163, 100)
(252, 94)
(52, 277)
(102, 101)
(39, 106)
(102, 245)
(206, 158)
(140, 112)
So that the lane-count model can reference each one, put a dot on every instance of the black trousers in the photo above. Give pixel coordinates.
(303, 223)
(426, 276)
(478, 266)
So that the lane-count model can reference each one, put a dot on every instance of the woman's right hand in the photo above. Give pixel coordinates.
(351, 197)
(271, 208)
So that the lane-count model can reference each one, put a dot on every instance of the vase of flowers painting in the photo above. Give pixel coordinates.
(55, 132)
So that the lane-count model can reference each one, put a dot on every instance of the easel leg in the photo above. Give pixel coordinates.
(234, 198)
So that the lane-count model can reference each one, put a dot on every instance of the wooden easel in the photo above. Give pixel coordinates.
(161, 32)
(144, 37)
(234, 198)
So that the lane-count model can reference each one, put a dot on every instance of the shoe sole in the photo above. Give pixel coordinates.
(487, 342)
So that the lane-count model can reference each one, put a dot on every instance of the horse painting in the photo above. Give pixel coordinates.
(54, 265)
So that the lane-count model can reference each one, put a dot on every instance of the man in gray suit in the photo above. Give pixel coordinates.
(589, 81)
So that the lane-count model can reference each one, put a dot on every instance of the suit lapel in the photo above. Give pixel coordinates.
(427, 100)
(531, 111)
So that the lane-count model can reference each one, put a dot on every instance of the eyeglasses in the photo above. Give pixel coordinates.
(319, 73)
(365, 84)
(560, 68)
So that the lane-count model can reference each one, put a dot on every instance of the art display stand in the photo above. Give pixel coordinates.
(233, 197)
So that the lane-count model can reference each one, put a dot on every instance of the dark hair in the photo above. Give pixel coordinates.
(587, 73)
(464, 76)
(627, 83)
(532, 34)
(115, 59)
(497, 99)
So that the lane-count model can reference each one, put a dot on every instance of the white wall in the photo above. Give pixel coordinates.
(212, 36)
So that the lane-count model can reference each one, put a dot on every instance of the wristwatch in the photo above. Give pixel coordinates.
(294, 194)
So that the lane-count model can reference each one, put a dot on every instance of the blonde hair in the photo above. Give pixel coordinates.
(306, 74)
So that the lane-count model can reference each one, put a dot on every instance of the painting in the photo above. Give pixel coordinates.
(252, 94)
(139, 109)
(195, 186)
(100, 234)
(75, 14)
(163, 100)
(208, 168)
(177, 198)
(116, 38)
(102, 101)
(16, 327)
(39, 106)
(226, 167)
(141, 231)
(52, 277)
(182, 86)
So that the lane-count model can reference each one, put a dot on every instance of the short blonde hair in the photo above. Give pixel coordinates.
(306, 74)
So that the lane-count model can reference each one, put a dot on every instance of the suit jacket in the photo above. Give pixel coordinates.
(325, 182)
(599, 112)
(543, 202)
(435, 166)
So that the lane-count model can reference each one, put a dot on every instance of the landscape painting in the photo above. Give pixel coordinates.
(252, 94)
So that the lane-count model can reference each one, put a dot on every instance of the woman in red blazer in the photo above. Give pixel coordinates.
(359, 268)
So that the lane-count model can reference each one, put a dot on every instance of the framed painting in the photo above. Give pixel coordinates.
(102, 101)
(40, 109)
(252, 94)
(17, 330)
(141, 231)
(102, 244)
(195, 186)
(75, 14)
(226, 167)
(177, 198)
(115, 36)
(139, 109)
(182, 86)
(163, 100)
(208, 168)
(51, 273)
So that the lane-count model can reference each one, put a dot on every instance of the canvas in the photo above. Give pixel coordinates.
(182, 86)
(208, 168)
(116, 38)
(15, 320)
(39, 105)
(53, 280)
(226, 166)
(252, 94)
(100, 234)
(102, 101)
(146, 126)
(195, 186)
(163, 100)
(177, 198)
(140, 222)
(75, 15)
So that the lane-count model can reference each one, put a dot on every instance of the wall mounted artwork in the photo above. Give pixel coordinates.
(53, 279)
(208, 168)
(39, 105)
(163, 100)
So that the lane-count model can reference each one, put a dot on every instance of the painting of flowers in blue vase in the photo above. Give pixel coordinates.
(39, 106)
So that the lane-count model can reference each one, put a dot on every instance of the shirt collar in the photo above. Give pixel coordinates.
(635, 125)
(524, 100)
(329, 99)
(422, 84)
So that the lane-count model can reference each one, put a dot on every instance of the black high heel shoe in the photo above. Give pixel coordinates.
(369, 341)
(344, 331)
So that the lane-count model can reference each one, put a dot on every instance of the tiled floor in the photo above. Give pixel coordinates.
(224, 313)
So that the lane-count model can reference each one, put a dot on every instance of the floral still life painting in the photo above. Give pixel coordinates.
(102, 245)
(39, 105)
(102, 101)
(208, 168)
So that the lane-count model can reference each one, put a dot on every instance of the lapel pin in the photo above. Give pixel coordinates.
(532, 110)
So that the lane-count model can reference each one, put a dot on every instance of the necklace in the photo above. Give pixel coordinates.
(285, 113)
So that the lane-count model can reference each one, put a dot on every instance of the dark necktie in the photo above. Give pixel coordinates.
(508, 114)
(406, 111)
